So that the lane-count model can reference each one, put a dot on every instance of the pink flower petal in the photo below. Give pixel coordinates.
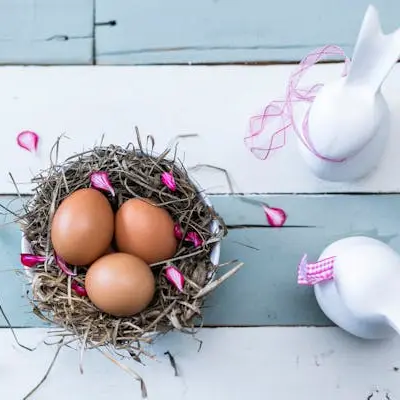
(168, 180)
(100, 180)
(175, 277)
(276, 217)
(31, 260)
(78, 289)
(63, 266)
(194, 238)
(28, 140)
(178, 231)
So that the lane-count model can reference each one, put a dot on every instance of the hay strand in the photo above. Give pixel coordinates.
(47, 373)
(128, 370)
(172, 362)
(13, 331)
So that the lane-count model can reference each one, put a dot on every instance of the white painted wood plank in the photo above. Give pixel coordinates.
(46, 31)
(214, 102)
(234, 363)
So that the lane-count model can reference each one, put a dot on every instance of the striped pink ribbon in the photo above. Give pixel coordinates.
(278, 116)
(312, 273)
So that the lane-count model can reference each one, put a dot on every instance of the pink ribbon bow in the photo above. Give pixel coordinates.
(312, 273)
(280, 113)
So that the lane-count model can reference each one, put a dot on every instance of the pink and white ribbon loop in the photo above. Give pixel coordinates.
(312, 273)
(268, 130)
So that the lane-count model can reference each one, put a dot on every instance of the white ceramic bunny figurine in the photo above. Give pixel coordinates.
(363, 297)
(349, 119)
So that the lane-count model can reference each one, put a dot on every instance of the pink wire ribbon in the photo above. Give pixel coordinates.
(313, 273)
(283, 110)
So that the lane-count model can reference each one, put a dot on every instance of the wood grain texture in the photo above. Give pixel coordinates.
(233, 363)
(222, 31)
(46, 31)
(264, 291)
(213, 102)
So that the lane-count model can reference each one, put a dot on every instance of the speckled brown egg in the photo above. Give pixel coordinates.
(82, 227)
(145, 230)
(120, 284)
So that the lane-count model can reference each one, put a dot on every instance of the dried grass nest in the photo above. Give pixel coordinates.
(133, 172)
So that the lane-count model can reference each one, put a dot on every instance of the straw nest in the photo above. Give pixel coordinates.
(133, 172)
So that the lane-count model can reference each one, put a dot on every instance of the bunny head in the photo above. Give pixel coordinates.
(349, 120)
(362, 292)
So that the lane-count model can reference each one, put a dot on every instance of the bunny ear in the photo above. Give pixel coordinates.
(311, 273)
(370, 28)
(375, 53)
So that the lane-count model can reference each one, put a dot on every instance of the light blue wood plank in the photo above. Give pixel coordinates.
(264, 291)
(46, 31)
(214, 31)
(339, 213)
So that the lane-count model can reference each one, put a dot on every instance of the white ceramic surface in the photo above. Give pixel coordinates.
(359, 162)
(349, 118)
(364, 296)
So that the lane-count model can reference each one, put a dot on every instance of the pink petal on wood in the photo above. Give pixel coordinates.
(175, 277)
(194, 238)
(78, 289)
(28, 140)
(276, 217)
(31, 260)
(100, 180)
(63, 266)
(168, 180)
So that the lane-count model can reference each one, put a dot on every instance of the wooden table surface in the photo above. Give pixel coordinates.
(264, 335)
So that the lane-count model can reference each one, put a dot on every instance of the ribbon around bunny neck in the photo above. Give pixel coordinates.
(282, 111)
(312, 273)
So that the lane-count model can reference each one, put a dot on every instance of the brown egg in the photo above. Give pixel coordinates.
(83, 226)
(120, 284)
(145, 230)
